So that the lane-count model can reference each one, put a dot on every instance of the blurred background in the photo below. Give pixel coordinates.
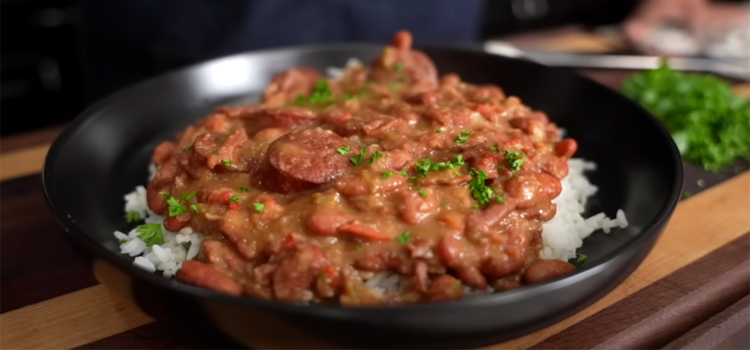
(58, 56)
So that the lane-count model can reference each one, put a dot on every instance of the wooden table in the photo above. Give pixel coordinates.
(690, 293)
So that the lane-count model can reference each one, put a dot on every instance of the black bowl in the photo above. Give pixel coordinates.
(104, 154)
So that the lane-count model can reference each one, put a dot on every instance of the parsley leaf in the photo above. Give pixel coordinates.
(175, 208)
(710, 124)
(439, 131)
(320, 96)
(459, 160)
(375, 156)
(494, 148)
(358, 158)
(347, 97)
(422, 193)
(187, 196)
(479, 190)
(463, 137)
(343, 150)
(243, 189)
(404, 237)
(132, 217)
(151, 234)
(194, 207)
(386, 174)
(580, 259)
(403, 173)
(398, 67)
(226, 162)
(515, 159)
(259, 207)
(234, 198)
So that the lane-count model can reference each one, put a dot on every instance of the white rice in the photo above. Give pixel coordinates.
(167, 257)
(562, 235)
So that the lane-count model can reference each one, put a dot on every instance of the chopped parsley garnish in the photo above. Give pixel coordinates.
(343, 150)
(687, 194)
(151, 234)
(515, 159)
(580, 259)
(708, 122)
(386, 174)
(226, 162)
(175, 208)
(394, 86)
(425, 165)
(243, 189)
(443, 205)
(500, 200)
(463, 137)
(320, 96)
(422, 193)
(187, 149)
(439, 131)
(459, 160)
(398, 67)
(187, 196)
(358, 248)
(347, 97)
(701, 183)
(194, 207)
(358, 158)
(216, 153)
(479, 190)
(494, 148)
(404, 237)
(234, 198)
(363, 92)
(132, 217)
(259, 207)
(403, 173)
(375, 156)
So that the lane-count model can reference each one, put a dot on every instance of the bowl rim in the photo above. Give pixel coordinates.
(491, 299)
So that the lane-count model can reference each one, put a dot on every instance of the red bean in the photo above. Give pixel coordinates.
(296, 273)
(326, 222)
(176, 223)
(205, 276)
(543, 270)
(416, 206)
(566, 148)
(402, 40)
(445, 288)
(163, 152)
(530, 189)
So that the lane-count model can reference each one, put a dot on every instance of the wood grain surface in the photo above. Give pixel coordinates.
(690, 293)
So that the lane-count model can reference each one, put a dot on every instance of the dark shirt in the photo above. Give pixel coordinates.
(129, 40)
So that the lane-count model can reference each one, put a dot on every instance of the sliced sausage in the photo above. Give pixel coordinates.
(287, 85)
(309, 156)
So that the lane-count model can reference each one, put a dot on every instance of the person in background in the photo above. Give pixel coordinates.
(129, 40)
